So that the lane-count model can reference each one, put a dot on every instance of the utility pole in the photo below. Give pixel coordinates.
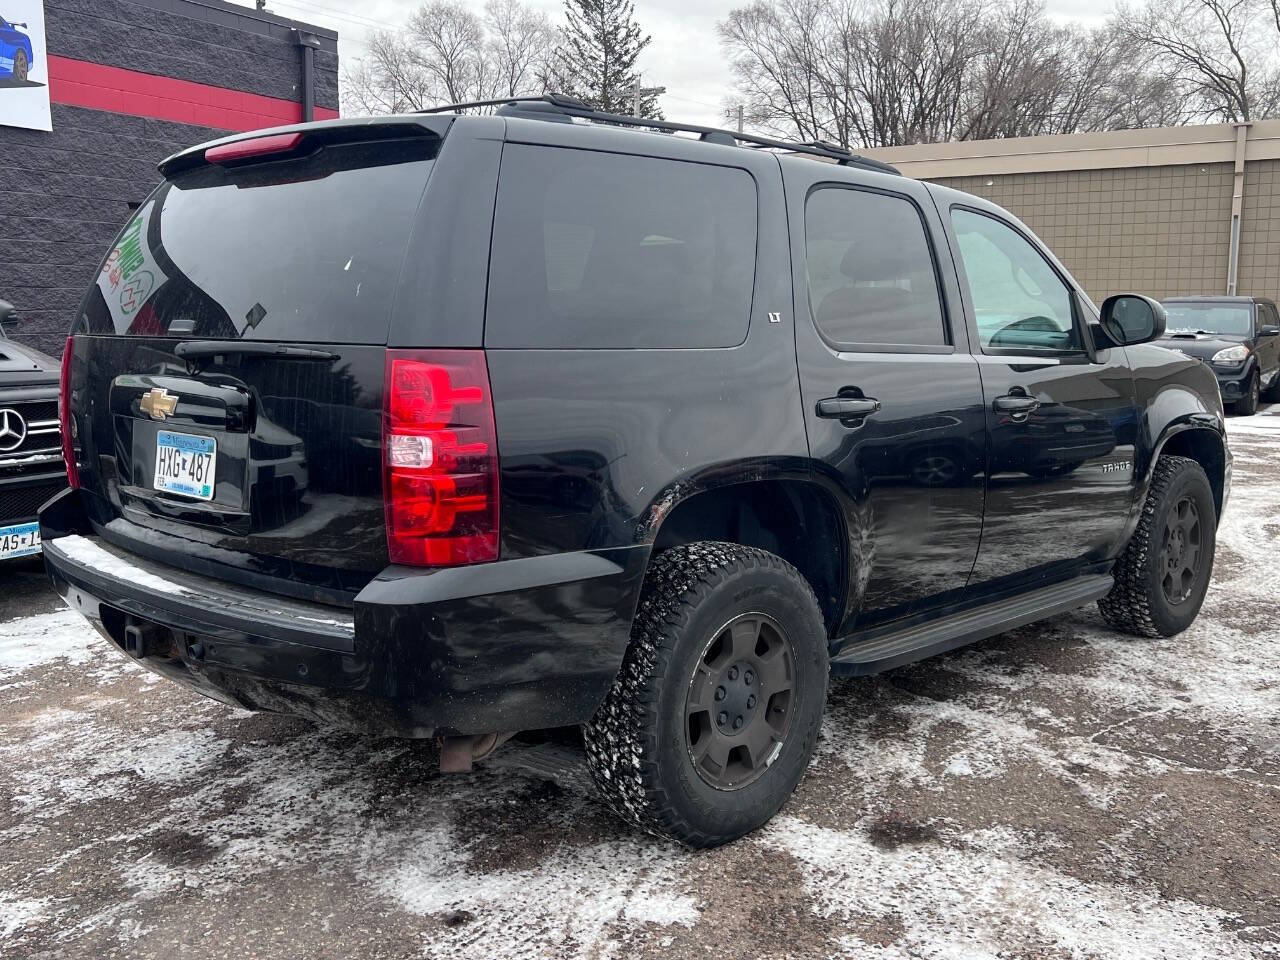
(638, 91)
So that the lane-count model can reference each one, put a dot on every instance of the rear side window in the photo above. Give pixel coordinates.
(300, 249)
(601, 250)
(871, 275)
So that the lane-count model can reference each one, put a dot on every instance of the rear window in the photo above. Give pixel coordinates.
(608, 250)
(305, 249)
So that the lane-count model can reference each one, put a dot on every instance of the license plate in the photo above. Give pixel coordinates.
(184, 464)
(19, 540)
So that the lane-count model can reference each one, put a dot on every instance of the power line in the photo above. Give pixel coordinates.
(353, 18)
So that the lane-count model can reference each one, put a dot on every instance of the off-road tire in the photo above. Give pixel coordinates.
(637, 742)
(1137, 604)
(1247, 405)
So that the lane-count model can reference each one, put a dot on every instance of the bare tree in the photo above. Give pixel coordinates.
(448, 54)
(520, 45)
(881, 72)
(388, 79)
(1223, 51)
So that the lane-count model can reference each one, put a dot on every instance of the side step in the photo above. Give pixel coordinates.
(895, 645)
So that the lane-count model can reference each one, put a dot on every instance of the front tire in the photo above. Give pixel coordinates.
(1163, 574)
(713, 716)
(1247, 405)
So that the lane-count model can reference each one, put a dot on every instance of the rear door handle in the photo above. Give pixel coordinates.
(847, 408)
(1016, 405)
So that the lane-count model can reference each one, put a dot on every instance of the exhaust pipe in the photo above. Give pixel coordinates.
(457, 754)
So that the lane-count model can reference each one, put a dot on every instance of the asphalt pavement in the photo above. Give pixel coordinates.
(1056, 792)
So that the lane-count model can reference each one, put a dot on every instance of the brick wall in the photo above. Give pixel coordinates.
(1162, 231)
(63, 195)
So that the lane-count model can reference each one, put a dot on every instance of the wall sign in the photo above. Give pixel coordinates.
(24, 66)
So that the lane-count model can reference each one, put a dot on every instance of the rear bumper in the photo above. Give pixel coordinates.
(513, 645)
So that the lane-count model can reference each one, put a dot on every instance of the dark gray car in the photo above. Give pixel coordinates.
(31, 465)
(1238, 337)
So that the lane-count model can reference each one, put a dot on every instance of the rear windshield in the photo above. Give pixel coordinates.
(1231, 318)
(304, 249)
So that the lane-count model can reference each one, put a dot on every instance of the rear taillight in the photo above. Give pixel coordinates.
(64, 416)
(440, 451)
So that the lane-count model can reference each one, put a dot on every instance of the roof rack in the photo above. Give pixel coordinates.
(560, 108)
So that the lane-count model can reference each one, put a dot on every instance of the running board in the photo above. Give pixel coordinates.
(893, 646)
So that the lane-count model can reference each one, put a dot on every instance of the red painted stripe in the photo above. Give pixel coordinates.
(100, 87)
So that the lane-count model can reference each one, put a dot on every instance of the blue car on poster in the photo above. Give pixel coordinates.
(15, 51)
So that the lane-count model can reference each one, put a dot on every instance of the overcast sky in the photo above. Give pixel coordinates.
(685, 54)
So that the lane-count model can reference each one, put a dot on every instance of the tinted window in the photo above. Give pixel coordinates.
(1266, 315)
(1232, 318)
(870, 270)
(308, 249)
(1019, 302)
(606, 250)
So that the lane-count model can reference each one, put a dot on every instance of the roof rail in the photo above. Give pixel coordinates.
(555, 106)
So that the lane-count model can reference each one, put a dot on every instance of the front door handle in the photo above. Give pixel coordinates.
(847, 408)
(1017, 406)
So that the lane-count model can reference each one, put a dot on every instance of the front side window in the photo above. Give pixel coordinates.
(1019, 302)
(870, 270)
(599, 250)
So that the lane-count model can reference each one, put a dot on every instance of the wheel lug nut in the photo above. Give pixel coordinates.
(722, 718)
(751, 701)
(737, 723)
(733, 673)
(720, 693)
(749, 677)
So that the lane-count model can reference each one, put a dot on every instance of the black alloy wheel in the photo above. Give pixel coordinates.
(1180, 553)
(740, 699)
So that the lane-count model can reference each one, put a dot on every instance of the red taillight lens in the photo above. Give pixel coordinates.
(440, 451)
(64, 416)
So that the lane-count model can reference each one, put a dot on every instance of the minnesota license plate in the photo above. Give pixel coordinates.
(19, 540)
(185, 464)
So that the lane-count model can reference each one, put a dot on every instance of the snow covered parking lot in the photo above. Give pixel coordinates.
(1059, 791)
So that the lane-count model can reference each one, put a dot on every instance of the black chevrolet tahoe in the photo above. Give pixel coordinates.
(459, 425)
(31, 468)
(1238, 337)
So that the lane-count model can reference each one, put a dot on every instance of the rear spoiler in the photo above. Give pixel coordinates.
(310, 135)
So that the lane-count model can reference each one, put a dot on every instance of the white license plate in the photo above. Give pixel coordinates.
(19, 540)
(185, 464)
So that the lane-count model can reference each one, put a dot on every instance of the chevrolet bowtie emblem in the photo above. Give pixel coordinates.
(158, 404)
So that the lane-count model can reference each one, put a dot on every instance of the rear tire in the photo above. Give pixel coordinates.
(1163, 574)
(20, 66)
(1247, 405)
(728, 661)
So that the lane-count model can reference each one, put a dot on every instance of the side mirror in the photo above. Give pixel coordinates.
(1269, 331)
(1129, 318)
(8, 315)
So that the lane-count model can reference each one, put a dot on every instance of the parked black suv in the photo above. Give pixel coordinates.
(31, 468)
(1239, 337)
(606, 427)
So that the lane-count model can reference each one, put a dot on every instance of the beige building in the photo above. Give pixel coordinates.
(1176, 210)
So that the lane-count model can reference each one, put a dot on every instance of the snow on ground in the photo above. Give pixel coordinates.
(1057, 792)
